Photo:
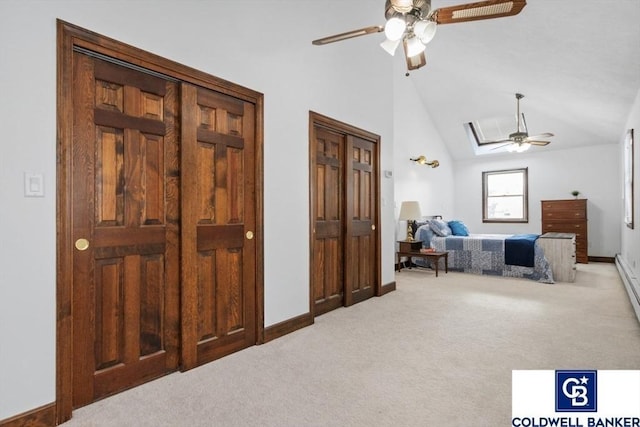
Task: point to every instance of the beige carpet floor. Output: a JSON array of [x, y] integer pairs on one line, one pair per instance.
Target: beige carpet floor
[[436, 352]]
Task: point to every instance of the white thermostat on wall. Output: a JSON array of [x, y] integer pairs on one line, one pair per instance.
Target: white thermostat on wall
[[388, 174]]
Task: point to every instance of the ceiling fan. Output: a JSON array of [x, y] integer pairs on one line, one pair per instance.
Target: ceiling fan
[[414, 23], [519, 140]]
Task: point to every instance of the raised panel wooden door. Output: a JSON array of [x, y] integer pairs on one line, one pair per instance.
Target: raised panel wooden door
[[218, 225], [327, 261], [124, 204], [361, 234]]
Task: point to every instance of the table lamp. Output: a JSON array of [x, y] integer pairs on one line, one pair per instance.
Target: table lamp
[[410, 211]]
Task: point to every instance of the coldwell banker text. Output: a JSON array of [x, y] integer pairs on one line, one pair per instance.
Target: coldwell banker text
[[575, 422]]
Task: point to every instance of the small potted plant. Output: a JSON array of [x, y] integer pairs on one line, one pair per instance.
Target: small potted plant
[[575, 193]]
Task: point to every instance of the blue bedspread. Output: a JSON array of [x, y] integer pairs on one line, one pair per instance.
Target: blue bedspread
[[483, 254], [519, 249]]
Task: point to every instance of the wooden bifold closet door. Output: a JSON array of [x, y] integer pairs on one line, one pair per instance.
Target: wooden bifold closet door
[[345, 257]]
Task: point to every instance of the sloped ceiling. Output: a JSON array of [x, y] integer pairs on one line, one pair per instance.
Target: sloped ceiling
[[576, 61]]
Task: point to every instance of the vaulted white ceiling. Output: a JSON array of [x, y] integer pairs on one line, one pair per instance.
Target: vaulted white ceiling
[[576, 61]]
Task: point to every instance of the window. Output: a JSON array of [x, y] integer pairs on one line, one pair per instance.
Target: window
[[504, 196]]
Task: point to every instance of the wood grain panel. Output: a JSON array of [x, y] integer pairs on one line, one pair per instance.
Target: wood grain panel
[[152, 179], [151, 106], [109, 176], [207, 322], [231, 298], [235, 186], [124, 121], [320, 207], [220, 101], [220, 236], [333, 282], [109, 96], [152, 302], [131, 302], [318, 269], [357, 194], [205, 183], [126, 76], [109, 313]]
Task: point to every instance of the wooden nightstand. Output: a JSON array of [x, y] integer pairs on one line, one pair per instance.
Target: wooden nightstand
[[409, 245], [411, 249]]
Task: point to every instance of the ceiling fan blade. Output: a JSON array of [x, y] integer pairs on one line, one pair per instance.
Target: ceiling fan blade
[[539, 143], [542, 135], [348, 35], [476, 11]]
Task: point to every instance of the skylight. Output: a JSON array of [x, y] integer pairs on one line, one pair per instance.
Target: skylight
[[482, 133]]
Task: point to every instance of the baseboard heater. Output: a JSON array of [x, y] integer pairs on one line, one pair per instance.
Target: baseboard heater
[[630, 282]]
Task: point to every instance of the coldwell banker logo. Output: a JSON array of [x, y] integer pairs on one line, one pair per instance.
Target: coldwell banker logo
[[576, 391], [575, 398]]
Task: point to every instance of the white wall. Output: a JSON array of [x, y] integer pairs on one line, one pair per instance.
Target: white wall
[[594, 171], [262, 44], [631, 238], [414, 134]]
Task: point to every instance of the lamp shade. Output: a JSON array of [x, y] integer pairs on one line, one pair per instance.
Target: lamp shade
[[414, 47], [394, 28], [425, 30], [410, 211], [390, 46]]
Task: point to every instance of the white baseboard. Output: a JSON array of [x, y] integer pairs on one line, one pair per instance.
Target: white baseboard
[[631, 282]]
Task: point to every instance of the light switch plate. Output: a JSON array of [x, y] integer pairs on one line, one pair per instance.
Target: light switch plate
[[33, 184]]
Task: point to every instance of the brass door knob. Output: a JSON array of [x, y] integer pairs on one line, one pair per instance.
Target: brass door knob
[[249, 235], [373, 226], [82, 244]]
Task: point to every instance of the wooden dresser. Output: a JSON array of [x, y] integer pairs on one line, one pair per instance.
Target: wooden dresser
[[568, 216]]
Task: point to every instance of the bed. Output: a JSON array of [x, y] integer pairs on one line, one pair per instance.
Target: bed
[[487, 254]]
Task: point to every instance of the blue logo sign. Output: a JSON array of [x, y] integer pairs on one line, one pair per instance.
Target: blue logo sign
[[576, 391]]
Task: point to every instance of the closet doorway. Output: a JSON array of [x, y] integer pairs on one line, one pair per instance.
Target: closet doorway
[[159, 210], [344, 206]]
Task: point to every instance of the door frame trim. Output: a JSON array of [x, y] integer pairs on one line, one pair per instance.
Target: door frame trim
[[69, 37], [317, 119]]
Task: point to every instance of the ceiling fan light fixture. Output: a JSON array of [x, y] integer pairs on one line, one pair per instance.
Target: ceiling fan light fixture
[[394, 28], [523, 147], [414, 47], [518, 148], [390, 46], [425, 30]]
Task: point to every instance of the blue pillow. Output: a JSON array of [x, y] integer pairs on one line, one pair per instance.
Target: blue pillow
[[458, 228], [440, 227]]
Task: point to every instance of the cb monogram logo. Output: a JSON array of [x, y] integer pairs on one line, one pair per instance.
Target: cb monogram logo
[[576, 391]]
